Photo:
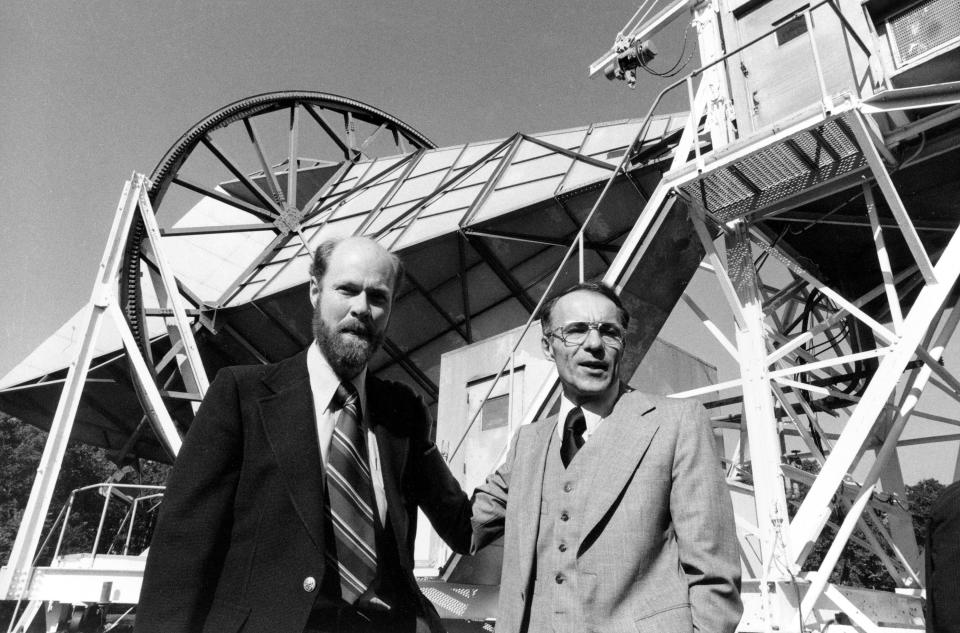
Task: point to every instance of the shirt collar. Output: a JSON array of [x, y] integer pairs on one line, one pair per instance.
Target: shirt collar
[[324, 381], [593, 420]]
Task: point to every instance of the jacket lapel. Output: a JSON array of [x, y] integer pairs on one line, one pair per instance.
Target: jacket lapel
[[531, 462], [290, 426], [393, 452], [623, 439]]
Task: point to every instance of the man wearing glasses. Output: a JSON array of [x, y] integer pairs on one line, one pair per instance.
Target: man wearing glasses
[[618, 516]]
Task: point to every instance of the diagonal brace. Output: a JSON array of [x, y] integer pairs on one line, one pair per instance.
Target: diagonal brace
[[859, 128]]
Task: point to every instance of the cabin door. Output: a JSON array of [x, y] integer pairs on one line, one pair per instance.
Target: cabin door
[[487, 439], [776, 76]]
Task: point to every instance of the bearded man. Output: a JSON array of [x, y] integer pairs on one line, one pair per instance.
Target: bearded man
[[292, 505]]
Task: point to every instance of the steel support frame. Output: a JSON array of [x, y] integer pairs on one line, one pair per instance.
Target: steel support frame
[[104, 305], [915, 326], [909, 341], [768, 481], [894, 357], [901, 345], [880, 351], [898, 345], [165, 285], [914, 388]]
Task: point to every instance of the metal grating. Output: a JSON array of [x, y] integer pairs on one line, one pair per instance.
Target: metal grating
[[808, 146], [777, 172], [445, 601], [924, 27]]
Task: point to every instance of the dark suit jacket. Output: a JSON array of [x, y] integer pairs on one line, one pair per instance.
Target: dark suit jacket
[[657, 548], [241, 530]]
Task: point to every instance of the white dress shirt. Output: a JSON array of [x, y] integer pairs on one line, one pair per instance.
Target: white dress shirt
[[593, 420], [323, 385]]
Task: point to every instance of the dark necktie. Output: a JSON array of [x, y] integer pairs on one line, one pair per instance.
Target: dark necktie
[[573, 429], [352, 505]]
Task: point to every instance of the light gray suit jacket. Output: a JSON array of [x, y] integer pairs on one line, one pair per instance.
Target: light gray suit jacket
[[658, 550]]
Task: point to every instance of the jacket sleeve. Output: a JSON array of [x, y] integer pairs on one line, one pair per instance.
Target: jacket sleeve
[[192, 532], [438, 493], [702, 515], [490, 502]]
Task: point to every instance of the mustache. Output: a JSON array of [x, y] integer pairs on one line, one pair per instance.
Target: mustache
[[359, 328]]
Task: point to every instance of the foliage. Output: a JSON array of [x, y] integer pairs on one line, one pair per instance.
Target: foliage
[[858, 566], [21, 447], [921, 496]]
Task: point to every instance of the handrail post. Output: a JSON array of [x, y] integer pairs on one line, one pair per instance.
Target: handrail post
[[580, 255], [103, 518], [63, 528], [694, 122], [825, 103], [133, 517]]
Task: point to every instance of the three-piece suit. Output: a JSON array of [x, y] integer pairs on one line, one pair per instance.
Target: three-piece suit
[[637, 534]]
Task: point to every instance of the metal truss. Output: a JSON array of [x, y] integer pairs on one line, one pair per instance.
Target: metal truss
[[786, 370], [791, 368], [791, 371], [823, 376], [18, 576], [788, 381]]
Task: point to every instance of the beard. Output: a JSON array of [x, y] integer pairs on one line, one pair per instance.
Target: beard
[[347, 348]]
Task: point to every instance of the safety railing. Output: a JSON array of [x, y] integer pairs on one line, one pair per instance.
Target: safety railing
[[857, 84], [125, 521]]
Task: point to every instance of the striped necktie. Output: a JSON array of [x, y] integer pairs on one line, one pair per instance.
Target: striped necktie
[[352, 506]]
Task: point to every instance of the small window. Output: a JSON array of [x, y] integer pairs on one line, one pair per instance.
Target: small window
[[791, 30], [495, 413]]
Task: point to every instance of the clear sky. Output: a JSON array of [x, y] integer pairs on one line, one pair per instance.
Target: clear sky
[[94, 90]]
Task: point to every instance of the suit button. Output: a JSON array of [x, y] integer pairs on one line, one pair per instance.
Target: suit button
[[559, 579], [309, 584], [564, 516], [563, 547], [567, 487]]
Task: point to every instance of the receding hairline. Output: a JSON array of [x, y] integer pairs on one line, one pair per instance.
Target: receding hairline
[[324, 251], [593, 287]]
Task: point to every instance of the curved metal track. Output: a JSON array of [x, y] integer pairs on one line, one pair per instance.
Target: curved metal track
[[360, 135]]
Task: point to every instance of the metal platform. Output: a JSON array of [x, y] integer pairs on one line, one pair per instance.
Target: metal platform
[[759, 177]]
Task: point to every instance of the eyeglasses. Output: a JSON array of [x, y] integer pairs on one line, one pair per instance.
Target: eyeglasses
[[574, 334]]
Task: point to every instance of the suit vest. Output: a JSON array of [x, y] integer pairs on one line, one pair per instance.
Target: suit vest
[[555, 604]]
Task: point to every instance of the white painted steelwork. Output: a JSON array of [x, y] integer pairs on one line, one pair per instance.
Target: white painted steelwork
[[823, 333]]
